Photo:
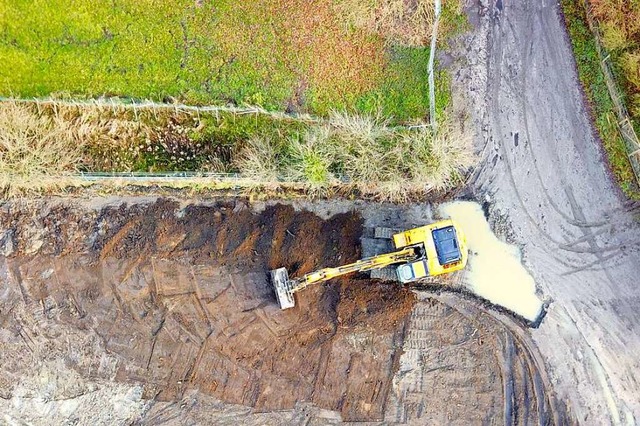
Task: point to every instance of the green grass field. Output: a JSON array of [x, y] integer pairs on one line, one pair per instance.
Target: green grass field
[[361, 64], [291, 55]]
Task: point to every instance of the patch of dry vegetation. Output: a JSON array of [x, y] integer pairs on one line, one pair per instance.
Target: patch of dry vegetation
[[395, 165], [401, 22], [34, 148], [366, 154], [39, 147], [258, 160]]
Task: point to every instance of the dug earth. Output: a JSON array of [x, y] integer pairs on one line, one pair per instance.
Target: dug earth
[[180, 297], [126, 310]]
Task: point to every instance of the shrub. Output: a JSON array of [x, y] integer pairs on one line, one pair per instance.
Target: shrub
[[34, 148], [311, 158], [258, 159], [614, 37], [630, 63]]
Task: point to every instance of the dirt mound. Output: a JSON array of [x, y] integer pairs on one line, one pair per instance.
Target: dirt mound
[[181, 297], [370, 302]]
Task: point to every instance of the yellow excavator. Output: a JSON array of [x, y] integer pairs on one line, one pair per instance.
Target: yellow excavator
[[421, 252]]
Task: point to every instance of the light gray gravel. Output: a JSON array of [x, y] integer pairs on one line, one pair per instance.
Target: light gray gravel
[[543, 170]]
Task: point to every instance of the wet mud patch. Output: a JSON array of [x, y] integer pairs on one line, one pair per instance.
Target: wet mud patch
[[179, 297]]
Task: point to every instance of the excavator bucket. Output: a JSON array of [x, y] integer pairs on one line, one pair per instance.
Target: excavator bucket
[[282, 287]]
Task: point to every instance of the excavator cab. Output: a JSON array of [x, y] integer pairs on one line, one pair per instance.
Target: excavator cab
[[444, 248], [429, 250]]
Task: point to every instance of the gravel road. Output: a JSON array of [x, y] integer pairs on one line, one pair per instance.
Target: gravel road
[[543, 171]]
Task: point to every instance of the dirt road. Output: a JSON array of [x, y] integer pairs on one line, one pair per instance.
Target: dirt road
[[544, 173]]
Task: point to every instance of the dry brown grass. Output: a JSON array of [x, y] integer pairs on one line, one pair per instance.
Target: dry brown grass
[[403, 22], [421, 162], [33, 148], [258, 160], [40, 150], [619, 20], [40, 146], [382, 162]]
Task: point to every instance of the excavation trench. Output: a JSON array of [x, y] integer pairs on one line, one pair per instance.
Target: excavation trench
[[180, 296], [137, 307]]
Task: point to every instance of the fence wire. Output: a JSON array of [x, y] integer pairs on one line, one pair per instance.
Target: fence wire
[[137, 105], [625, 125], [114, 104], [153, 176]]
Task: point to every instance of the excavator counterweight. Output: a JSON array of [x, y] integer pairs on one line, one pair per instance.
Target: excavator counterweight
[[425, 251]]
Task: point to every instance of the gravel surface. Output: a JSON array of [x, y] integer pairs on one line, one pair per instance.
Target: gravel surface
[[544, 173]]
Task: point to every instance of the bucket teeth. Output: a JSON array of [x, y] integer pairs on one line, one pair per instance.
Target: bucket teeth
[[283, 288]]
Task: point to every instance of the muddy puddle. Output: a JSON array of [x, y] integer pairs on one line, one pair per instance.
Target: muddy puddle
[[495, 271]]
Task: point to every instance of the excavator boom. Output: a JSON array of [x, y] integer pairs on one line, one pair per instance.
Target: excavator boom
[[285, 287], [375, 262]]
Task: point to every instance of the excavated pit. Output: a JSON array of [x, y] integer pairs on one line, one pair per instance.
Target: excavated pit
[[144, 310], [180, 299]]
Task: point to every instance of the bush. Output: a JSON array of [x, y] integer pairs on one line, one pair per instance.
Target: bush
[[258, 159], [630, 63], [34, 148], [310, 158]]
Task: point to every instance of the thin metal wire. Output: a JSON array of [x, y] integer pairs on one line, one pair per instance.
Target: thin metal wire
[[625, 126], [178, 175], [131, 104]]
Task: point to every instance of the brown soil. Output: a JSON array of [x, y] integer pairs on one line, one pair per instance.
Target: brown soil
[[180, 297]]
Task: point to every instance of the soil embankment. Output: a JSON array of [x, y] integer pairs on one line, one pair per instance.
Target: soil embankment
[[138, 310]]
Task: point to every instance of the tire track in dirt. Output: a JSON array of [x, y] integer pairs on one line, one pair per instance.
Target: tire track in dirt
[[579, 240], [197, 318], [181, 297], [516, 337], [497, 81], [496, 39]]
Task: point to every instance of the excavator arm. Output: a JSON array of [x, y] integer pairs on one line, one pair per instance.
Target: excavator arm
[[285, 287]]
